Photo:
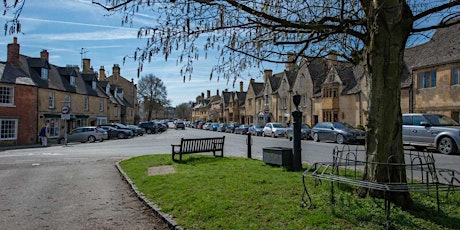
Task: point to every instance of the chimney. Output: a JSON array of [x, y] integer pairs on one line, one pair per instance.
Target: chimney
[[86, 65], [291, 64], [45, 55], [226, 90], [217, 92], [267, 74], [331, 60], [251, 81], [208, 94], [13, 52], [241, 86], [101, 73], [116, 71], [202, 95]]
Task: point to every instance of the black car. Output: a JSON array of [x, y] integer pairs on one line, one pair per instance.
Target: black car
[[180, 124], [162, 127], [149, 127], [242, 129], [116, 133], [122, 126], [337, 131], [139, 131], [305, 131]]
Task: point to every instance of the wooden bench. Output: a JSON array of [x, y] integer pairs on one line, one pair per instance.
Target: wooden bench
[[197, 145], [423, 176]]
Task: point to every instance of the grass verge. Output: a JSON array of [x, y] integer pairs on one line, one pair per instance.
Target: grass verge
[[236, 193]]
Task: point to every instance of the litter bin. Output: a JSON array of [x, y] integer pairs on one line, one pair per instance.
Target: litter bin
[[278, 156]]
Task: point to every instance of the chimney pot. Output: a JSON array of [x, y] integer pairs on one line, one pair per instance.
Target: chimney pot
[[241, 86]]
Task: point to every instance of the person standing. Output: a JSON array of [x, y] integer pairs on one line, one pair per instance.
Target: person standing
[[44, 135]]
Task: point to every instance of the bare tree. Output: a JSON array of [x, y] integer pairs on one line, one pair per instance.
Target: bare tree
[[184, 110], [152, 94]]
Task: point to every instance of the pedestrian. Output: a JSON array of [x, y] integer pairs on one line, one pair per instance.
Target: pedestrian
[[44, 135]]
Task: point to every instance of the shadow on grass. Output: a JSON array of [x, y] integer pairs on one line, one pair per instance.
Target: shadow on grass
[[354, 209], [198, 159]]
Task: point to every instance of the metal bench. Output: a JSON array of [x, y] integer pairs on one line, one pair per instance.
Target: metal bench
[[197, 145], [345, 166]]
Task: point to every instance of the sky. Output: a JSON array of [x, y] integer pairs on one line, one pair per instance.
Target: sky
[[74, 29]]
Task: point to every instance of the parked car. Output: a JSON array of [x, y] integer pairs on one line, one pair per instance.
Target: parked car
[[274, 130], [122, 126], [431, 130], [162, 127], [116, 133], [214, 126], [222, 127], [149, 127], [242, 129], [256, 130], [179, 124], [337, 131], [85, 134], [305, 131], [139, 131], [231, 127]]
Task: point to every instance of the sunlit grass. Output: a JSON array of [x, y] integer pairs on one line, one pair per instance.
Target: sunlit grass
[[236, 193]]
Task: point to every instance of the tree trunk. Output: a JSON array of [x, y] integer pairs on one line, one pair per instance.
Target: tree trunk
[[390, 23]]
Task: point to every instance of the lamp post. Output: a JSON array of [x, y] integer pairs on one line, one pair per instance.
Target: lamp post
[[297, 115]]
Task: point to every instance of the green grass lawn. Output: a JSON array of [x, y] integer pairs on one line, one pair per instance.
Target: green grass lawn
[[236, 193]]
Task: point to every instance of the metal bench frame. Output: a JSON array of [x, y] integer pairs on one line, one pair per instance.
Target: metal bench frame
[[422, 176], [197, 145]]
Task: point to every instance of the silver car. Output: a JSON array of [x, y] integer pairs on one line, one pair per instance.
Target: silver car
[[274, 130], [86, 134], [431, 130]]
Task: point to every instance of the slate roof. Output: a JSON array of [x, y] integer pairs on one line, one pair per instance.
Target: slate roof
[[257, 87], [442, 48], [317, 68]]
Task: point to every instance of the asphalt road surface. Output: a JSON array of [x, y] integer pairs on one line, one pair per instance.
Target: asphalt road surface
[[78, 186]]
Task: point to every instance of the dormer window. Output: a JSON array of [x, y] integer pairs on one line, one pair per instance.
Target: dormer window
[[94, 85], [44, 73], [72, 80]]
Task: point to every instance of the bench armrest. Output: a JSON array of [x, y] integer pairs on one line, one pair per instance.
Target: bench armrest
[[174, 147]]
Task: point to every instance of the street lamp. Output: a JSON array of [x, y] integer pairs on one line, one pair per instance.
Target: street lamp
[[297, 115]]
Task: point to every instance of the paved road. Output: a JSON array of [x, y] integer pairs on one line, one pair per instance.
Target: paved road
[[79, 187]]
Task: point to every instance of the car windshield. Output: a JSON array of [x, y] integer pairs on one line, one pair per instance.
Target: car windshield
[[440, 120], [277, 125], [339, 125], [305, 126]]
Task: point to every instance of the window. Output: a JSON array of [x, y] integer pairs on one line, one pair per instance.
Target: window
[[6, 96], [115, 111], [94, 85], [44, 73], [427, 79], [455, 76], [67, 100], [51, 100], [72, 80], [8, 129], [86, 103], [53, 128], [101, 105], [304, 100]]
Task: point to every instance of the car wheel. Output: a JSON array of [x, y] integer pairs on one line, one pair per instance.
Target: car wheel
[[447, 146], [148, 131], [290, 138], [273, 134], [121, 136], [339, 138], [315, 137], [91, 139]]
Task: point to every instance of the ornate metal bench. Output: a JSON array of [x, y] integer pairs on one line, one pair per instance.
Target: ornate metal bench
[[197, 145], [345, 166]]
